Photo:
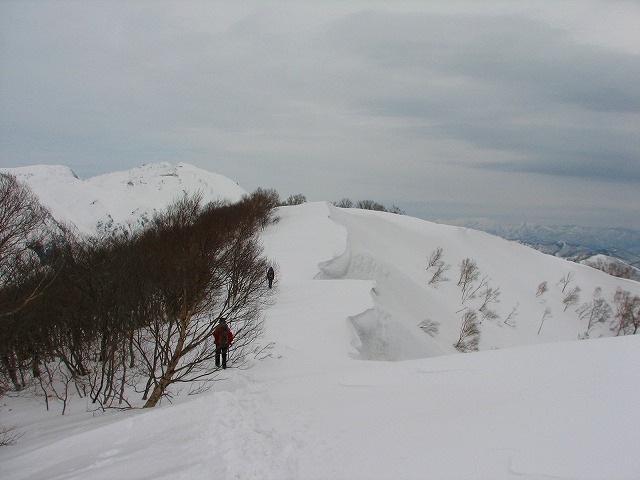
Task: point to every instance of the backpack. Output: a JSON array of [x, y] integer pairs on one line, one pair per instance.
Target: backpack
[[223, 335]]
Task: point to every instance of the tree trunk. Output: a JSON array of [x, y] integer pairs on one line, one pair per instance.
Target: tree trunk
[[10, 366], [165, 380]]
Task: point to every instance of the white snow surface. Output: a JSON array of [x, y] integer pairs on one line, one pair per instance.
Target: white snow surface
[[354, 389]]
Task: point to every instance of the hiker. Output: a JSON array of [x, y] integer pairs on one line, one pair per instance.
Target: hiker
[[222, 336], [270, 275]]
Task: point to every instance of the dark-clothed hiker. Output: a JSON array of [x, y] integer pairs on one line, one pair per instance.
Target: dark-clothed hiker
[[270, 275], [222, 336]]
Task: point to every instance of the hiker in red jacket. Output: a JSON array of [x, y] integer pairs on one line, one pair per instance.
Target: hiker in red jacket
[[222, 336]]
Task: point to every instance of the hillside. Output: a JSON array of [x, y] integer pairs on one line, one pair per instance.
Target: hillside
[[351, 388]]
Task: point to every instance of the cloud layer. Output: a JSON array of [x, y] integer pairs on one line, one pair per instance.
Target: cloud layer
[[444, 108]]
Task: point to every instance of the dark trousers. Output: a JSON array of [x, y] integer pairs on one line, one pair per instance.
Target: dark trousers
[[270, 282], [221, 350]]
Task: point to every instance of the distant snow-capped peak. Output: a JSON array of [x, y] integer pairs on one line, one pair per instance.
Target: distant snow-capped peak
[[129, 197]]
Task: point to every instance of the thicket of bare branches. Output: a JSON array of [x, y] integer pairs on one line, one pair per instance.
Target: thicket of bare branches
[[626, 320], [139, 305], [614, 268], [369, 205], [297, 199], [23, 222]]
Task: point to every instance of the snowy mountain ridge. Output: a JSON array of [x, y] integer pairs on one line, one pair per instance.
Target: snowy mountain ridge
[[121, 198], [354, 388]]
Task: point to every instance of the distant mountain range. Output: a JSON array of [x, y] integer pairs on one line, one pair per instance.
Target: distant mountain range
[[581, 244]]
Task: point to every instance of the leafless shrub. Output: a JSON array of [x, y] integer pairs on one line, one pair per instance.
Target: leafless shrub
[[435, 258], [545, 316], [572, 297], [615, 268], [469, 332], [439, 267], [510, 320], [23, 222], [297, 199], [344, 203], [596, 311], [488, 296], [9, 436], [397, 210], [471, 291], [627, 316], [430, 327], [469, 273], [542, 289], [370, 205]]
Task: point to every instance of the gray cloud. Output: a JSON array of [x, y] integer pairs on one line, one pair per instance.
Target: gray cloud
[[405, 103], [507, 84]]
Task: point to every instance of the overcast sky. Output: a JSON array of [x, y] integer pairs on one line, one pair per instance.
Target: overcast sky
[[510, 110]]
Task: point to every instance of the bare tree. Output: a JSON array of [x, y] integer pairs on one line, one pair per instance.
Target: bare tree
[[22, 276], [435, 257], [596, 311], [488, 296], [627, 316], [572, 297], [22, 223], [615, 268], [469, 332], [469, 273], [370, 205], [472, 290], [344, 203], [510, 320], [542, 289], [566, 280], [297, 199], [262, 204], [397, 210], [545, 316], [438, 274], [439, 267]]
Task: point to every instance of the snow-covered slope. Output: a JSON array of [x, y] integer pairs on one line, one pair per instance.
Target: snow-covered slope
[[328, 402], [128, 197]]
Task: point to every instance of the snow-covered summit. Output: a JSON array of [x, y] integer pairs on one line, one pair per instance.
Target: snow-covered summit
[[120, 198]]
